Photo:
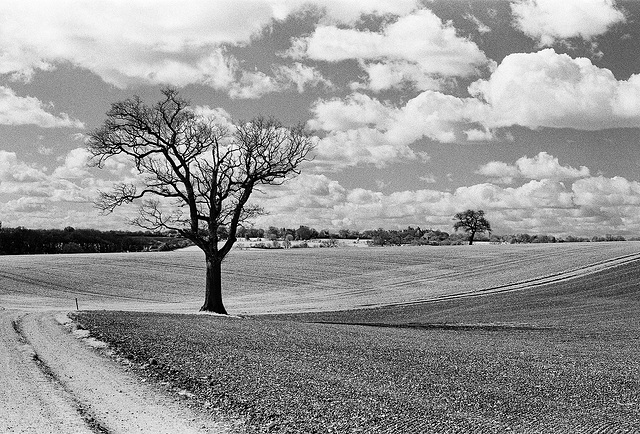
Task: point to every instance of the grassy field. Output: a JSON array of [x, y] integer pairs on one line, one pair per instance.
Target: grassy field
[[287, 280], [557, 358]]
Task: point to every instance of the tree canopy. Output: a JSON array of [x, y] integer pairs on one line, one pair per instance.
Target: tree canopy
[[471, 222], [195, 174]]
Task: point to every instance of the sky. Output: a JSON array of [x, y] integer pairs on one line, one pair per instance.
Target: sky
[[527, 109]]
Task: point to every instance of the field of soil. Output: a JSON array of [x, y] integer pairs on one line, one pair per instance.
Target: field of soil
[[539, 338], [294, 280]]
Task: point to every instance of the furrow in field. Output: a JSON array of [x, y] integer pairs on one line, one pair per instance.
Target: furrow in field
[[436, 277], [537, 282], [316, 279], [46, 287]]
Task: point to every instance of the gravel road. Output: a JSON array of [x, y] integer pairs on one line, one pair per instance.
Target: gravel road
[[54, 383]]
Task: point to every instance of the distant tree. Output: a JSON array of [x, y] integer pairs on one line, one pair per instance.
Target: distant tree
[[472, 222], [379, 237], [306, 233], [72, 248], [272, 233], [223, 233], [254, 233], [287, 241], [324, 233], [241, 232], [435, 237], [344, 233], [195, 175]]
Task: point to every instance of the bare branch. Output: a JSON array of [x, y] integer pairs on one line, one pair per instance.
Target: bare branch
[[207, 172]]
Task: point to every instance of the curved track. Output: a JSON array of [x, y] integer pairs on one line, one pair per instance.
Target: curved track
[[53, 383]]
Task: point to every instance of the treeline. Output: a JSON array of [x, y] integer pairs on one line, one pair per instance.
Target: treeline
[[533, 239], [410, 236], [23, 241], [375, 237]]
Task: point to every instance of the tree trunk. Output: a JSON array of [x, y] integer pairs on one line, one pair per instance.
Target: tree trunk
[[213, 291], [473, 234]]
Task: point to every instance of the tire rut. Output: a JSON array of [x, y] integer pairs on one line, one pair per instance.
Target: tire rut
[[104, 397], [531, 283], [31, 402], [91, 423]]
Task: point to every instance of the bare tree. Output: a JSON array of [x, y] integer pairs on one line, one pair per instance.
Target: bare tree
[[471, 222], [195, 175]]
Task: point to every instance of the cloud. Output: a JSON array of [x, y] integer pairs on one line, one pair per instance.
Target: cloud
[[592, 205], [156, 42], [357, 110], [429, 178], [532, 195], [542, 166], [482, 27], [606, 192], [359, 146], [542, 89], [533, 90], [75, 165], [367, 209], [301, 76], [499, 172], [414, 46], [13, 170], [390, 74], [123, 44], [476, 135], [349, 11], [218, 115], [253, 85], [26, 205], [17, 110], [364, 130], [546, 89], [69, 182], [554, 199], [550, 20]]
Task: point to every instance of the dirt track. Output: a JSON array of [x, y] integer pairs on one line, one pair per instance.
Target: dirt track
[[54, 383]]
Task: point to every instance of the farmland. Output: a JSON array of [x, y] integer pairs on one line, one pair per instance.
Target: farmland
[[288, 280], [350, 340]]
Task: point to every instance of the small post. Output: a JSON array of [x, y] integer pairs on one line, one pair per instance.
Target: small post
[[77, 304]]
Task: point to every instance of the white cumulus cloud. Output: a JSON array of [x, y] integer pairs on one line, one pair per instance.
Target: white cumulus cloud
[[606, 192], [348, 11], [18, 110], [302, 76], [141, 42], [592, 205], [550, 20], [542, 166], [547, 89], [414, 46], [362, 129]]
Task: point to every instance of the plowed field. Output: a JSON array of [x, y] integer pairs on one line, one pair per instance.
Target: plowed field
[[297, 279], [465, 339]]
